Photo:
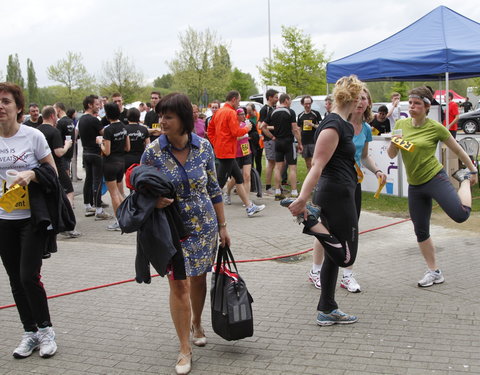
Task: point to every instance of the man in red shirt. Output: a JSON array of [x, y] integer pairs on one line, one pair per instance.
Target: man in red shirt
[[452, 116], [222, 132]]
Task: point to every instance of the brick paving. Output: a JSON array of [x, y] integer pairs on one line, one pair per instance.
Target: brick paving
[[127, 329]]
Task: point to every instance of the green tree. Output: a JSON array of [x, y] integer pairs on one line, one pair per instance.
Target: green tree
[[243, 83], [73, 75], [201, 66], [32, 82], [165, 81], [121, 75], [297, 65], [14, 72], [400, 87]]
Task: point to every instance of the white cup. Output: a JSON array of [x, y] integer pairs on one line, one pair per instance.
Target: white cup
[[99, 139], [68, 138], [11, 176]]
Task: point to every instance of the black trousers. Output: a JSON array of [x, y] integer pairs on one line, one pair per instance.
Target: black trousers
[[92, 188], [21, 251]]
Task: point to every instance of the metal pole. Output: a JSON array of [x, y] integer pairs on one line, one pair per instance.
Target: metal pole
[[269, 45], [447, 100]]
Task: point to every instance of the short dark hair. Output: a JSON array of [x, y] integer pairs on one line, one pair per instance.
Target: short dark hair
[[116, 94], [60, 105], [383, 109], [149, 105], [48, 112], [71, 112], [157, 93], [450, 95], [180, 105], [305, 97], [232, 95], [271, 93], [133, 115], [32, 105], [89, 100], [17, 94], [112, 112], [283, 97]]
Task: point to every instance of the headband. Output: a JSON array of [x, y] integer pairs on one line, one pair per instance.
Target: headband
[[426, 100]]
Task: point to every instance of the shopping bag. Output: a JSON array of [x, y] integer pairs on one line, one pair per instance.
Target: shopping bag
[[231, 303]]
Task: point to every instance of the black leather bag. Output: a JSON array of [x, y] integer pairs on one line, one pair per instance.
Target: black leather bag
[[232, 316]]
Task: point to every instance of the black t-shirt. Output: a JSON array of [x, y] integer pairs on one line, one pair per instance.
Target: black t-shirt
[[116, 134], [281, 119], [34, 124], [264, 111], [308, 131], [340, 168], [122, 118], [66, 127], [89, 128], [381, 126], [137, 134], [152, 122], [54, 140]]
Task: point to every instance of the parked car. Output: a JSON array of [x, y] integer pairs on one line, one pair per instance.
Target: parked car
[[318, 104], [470, 121]]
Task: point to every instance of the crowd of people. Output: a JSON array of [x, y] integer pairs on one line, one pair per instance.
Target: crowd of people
[[193, 163]]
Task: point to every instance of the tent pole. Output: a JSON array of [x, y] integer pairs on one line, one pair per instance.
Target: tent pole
[[447, 100]]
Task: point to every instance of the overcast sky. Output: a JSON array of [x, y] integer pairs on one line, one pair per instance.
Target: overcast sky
[[147, 31]]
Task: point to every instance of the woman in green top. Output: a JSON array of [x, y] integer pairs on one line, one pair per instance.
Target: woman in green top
[[428, 180]]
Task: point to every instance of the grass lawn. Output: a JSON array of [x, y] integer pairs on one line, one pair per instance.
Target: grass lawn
[[386, 204]]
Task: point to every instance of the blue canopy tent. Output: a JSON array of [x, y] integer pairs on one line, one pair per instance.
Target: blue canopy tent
[[441, 43]]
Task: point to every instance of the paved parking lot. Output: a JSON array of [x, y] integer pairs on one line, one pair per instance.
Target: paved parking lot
[[127, 329]]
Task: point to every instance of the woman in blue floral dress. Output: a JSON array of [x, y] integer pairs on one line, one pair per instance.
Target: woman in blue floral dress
[[188, 162]]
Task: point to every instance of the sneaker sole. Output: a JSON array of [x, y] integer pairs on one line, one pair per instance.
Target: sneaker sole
[[19, 356], [428, 285], [103, 218], [90, 214], [314, 283], [351, 291], [324, 323]]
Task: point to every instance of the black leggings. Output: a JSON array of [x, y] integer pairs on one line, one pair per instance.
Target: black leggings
[[92, 188], [227, 168], [257, 160], [339, 215], [21, 252], [420, 203]]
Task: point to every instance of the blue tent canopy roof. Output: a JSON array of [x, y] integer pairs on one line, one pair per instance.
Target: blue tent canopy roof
[[441, 41]]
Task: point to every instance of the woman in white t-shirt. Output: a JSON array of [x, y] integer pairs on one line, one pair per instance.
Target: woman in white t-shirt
[[23, 148]]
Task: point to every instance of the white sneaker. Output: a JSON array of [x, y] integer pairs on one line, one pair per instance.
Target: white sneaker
[[254, 209], [48, 346], [114, 226], [227, 199], [314, 278], [28, 344], [430, 278], [349, 283]]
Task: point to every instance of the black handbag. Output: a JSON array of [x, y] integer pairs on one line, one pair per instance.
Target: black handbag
[[232, 316]]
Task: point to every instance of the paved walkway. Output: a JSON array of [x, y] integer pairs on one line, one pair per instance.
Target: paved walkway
[[127, 329]]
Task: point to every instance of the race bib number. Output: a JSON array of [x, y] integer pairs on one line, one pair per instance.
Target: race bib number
[[307, 125], [156, 125], [15, 198], [245, 149]]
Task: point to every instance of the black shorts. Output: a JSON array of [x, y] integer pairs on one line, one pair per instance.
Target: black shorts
[[113, 170], [64, 179], [285, 150], [244, 160]]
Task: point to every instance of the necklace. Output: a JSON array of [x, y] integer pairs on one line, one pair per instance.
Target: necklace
[[180, 148]]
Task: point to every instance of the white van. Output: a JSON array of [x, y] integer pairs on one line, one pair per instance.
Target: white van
[[318, 104]]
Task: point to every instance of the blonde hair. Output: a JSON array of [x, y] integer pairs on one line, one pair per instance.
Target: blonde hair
[[347, 90], [368, 115]]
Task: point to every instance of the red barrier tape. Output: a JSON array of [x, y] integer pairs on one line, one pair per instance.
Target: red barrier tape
[[238, 261]]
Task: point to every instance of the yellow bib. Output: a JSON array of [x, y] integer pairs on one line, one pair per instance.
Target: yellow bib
[[15, 198]]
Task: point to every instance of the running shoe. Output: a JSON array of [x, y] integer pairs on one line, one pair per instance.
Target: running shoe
[[462, 175], [430, 278], [313, 210], [71, 234], [349, 283], [279, 197], [103, 216], [28, 344], [114, 226], [227, 199], [253, 209], [314, 278], [90, 211], [335, 317], [270, 191], [48, 346]]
